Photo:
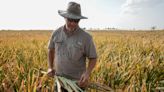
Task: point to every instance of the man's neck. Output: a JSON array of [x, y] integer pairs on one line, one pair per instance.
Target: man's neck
[[70, 30]]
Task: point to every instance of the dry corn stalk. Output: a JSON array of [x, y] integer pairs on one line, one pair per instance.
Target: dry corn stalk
[[72, 86]]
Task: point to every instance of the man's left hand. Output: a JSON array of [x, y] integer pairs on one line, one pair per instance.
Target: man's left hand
[[83, 82]]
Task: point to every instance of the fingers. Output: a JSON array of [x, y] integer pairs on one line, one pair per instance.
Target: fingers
[[83, 81], [82, 78], [80, 82], [83, 84], [51, 73]]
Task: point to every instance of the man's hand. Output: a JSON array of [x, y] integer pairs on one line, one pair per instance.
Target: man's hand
[[51, 72], [83, 82]]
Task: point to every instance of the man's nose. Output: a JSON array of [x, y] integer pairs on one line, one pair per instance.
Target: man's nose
[[72, 23]]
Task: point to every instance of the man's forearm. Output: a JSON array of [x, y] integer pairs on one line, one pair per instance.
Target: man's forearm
[[51, 58], [91, 65]]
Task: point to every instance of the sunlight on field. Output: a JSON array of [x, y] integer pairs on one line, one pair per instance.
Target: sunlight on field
[[127, 61]]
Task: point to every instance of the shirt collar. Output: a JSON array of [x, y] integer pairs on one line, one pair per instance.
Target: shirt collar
[[70, 33]]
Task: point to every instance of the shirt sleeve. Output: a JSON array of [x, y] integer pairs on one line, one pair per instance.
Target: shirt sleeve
[[90, 48], [51, 42]]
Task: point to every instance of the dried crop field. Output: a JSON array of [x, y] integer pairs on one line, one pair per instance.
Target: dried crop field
[[129, 61]]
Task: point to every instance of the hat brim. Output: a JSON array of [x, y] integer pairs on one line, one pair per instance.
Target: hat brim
[[65, 14]]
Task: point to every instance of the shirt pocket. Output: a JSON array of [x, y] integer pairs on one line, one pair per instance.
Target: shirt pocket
[[76, 52], [58, 46]]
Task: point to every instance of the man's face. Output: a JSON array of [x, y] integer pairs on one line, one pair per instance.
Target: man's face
[[72, 24]]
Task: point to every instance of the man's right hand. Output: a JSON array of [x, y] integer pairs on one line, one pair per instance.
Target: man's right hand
[[51, 72]]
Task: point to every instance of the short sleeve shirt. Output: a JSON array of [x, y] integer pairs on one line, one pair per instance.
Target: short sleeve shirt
[[71, 51]]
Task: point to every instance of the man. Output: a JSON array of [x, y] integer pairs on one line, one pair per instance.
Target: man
[[69, 46]]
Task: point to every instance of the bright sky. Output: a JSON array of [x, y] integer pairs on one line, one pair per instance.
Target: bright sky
[[42, 14]]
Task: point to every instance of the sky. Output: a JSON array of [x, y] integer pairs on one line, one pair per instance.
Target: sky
[[43, 14]]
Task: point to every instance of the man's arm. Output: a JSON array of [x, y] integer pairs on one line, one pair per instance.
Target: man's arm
[[85, 76], [91, 65], [51, 57]]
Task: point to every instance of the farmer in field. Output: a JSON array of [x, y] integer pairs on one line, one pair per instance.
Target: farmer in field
[[69, 46]]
